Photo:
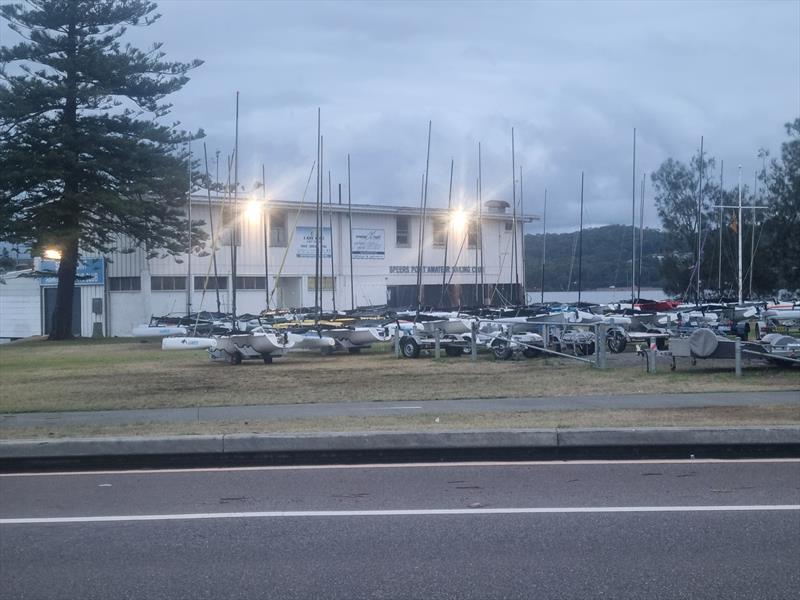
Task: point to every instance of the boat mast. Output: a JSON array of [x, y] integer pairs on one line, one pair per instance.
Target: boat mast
[[236, 216], [265, 221], [447, 232], [480, 225], [189, 249], [317, 252], [753, 236], [633, 223], [580, 247], [739, 231], [330, 223], [419, 242], [721, 197], [477, 255], [211, 222], [641, 243], [422, 222], [522, 242], [350, 227], [699, 222], [514, 223], [544, 241]]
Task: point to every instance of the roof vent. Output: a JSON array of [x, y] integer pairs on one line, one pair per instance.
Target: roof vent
[[498, 207]]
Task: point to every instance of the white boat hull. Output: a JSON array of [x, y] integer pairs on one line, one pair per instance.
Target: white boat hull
[[148, 331], [188, 343]]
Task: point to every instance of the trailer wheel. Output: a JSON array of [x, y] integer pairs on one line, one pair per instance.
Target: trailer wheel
[[410, 348], [502, 351], [586, 349], [267, 358], [354, 350], [616, 342], [235, 358], [453, 350], [467, 349]]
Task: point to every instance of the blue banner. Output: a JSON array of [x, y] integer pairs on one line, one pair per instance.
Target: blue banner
[[90, 271]]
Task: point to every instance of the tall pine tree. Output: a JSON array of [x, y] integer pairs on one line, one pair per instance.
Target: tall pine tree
[[85, 157]]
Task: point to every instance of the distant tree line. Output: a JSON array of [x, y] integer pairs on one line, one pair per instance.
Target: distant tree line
[[606, 259], [770, 234]]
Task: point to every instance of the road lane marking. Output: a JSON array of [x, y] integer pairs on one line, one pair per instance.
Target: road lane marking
[[396, 408], [401, 513], [415, 465]]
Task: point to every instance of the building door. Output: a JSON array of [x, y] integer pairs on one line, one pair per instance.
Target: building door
[[289, 292], [50, 308]]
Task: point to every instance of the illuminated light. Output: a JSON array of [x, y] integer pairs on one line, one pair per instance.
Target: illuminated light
[[459, 219], [253, 210], [52, 254]]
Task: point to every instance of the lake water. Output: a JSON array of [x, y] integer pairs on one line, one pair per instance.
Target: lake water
[[596, 296]]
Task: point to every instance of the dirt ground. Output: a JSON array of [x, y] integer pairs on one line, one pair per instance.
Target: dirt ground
[[124, 373]]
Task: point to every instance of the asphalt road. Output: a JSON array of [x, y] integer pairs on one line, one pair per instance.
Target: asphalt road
[[364, 409], [656, 529]]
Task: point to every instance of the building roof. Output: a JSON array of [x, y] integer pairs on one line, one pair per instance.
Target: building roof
[[490, 211]]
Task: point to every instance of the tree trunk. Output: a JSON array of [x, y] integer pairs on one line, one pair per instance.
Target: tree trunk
[[62, 315]]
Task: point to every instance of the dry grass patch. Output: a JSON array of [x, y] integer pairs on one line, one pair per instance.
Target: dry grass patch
[[117, 374], [661, 417]]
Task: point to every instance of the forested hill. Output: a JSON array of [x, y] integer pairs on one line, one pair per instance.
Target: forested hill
[[606, 258]]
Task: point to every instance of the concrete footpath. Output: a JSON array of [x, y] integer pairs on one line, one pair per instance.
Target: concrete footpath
[[364, 446]]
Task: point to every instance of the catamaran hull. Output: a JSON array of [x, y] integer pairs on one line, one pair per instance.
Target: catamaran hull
[[188, 343], [360, 336], [148, 331]]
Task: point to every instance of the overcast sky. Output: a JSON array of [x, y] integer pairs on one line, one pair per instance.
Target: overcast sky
[[573, 79]]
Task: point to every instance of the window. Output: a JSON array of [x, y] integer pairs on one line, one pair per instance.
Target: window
[[125, 284], [327, 284], [439, 232], [249, 282], [168, 283], [219, 283], [509, 226], [402, 237], [277, 229], [473, 234], [226, 235]]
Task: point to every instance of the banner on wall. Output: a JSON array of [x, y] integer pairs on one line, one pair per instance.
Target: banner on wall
[[307, 242], [369, 244], [90, 271]]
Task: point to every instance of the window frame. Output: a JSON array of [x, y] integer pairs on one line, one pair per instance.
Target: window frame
[[278, 234], [258, 280], [439, 230], [120, 280], [199, 282], [326, 279], [397, 230], [162, 278]]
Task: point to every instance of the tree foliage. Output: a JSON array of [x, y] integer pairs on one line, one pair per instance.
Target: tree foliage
[[782, 225], [85, 156], [771, 237]]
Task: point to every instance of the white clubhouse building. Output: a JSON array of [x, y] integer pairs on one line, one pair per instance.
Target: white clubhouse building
[[370, 256]]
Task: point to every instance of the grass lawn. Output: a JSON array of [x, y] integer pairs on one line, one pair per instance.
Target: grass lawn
[[125, 373], [658, 417]]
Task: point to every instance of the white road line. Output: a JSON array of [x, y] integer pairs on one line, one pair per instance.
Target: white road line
[[396, 407], [530, 463], [401, 513]]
